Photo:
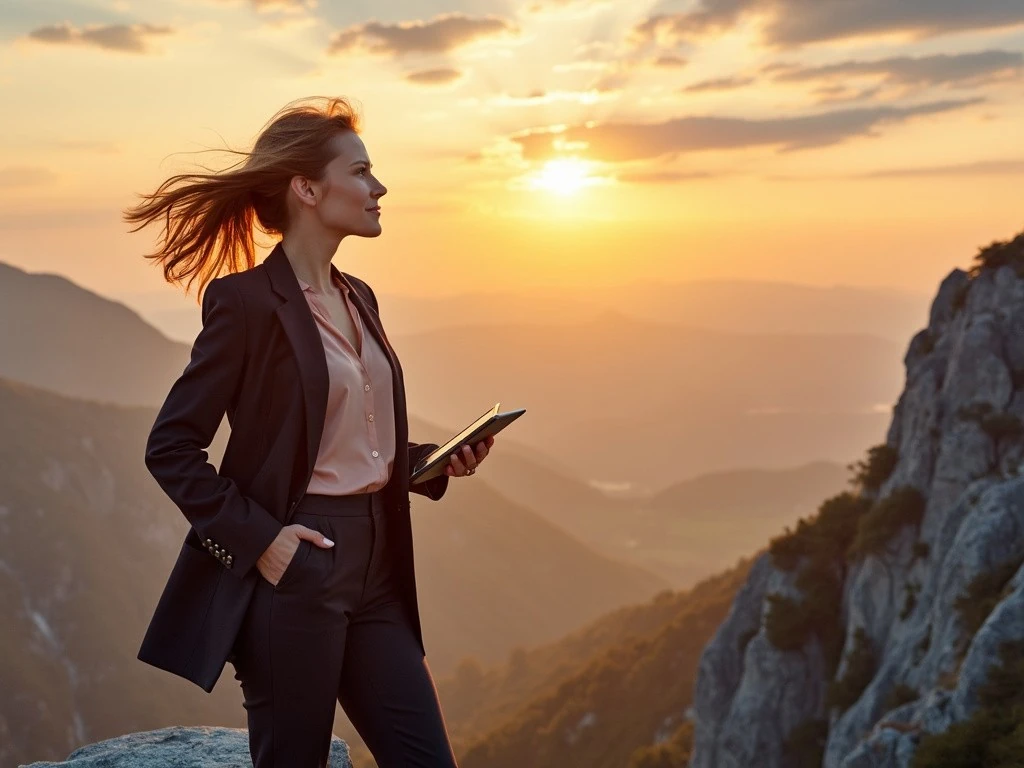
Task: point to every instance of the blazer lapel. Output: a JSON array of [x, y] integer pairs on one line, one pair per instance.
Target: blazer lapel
[[300, 328]]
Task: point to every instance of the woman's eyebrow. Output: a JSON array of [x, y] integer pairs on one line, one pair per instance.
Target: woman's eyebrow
[[365, 162]]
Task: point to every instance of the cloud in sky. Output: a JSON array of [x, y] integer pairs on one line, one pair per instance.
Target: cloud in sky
[[125, 38], [718, 84], [972, 68], [266, 4], [537, 7], [539, 97], [1009, 166], [669, 61], [439, 35], [577, 7], [262, 6], [844, 94], [623, 142], [1002, 167], [794, 22], [441, 76], [837, 80]]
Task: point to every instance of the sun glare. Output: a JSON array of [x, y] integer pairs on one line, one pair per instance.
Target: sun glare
[[564, 176]]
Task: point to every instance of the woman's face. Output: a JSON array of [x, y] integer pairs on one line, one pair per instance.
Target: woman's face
[[349, 190]]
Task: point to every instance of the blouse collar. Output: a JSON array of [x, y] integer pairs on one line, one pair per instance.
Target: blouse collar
[[307, 287]]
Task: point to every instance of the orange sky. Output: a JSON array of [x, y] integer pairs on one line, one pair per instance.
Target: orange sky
[[778, 142]]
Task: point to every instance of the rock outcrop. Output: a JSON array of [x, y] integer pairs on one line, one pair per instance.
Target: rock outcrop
[[922, 612], [195, 747]]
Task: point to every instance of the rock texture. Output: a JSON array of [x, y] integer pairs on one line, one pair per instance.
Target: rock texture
[[955, 434], [195, 747]]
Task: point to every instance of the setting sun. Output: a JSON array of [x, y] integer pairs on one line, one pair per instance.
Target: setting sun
[[565, 176]]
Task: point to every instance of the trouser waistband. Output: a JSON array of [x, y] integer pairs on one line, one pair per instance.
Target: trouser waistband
[[348, 505]]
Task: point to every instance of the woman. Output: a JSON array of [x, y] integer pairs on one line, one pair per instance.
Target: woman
[[298, 567]]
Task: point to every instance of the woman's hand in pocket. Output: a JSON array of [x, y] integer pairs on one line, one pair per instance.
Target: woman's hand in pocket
[[279, 554]]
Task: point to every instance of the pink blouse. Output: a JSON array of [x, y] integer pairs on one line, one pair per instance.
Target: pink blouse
[[357, 450]]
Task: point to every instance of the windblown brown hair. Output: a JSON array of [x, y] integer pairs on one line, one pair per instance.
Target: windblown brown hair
[[210, 217]]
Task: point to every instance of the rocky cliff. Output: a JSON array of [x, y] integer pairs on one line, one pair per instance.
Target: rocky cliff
[[898, 609]]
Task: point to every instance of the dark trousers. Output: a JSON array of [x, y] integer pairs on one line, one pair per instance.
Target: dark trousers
[[332, 629]]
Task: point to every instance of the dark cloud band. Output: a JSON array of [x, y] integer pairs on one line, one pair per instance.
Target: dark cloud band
[[794, 22], [129, 38], [622, 142], [439, 35]]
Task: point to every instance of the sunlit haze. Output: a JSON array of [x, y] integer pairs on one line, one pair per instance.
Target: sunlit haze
[[555, 145]]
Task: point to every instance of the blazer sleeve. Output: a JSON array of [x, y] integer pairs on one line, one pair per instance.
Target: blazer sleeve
[[186, 425], [436, 486]]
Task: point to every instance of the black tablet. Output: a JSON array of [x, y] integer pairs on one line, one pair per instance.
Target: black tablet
[[491, 423]]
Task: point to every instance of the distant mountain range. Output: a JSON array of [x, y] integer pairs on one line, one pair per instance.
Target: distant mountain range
[[736, 306], [684, 532], [61, 337], [619, 399], [614, 397]]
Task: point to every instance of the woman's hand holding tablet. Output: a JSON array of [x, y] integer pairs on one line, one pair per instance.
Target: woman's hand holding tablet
[[463, 452]]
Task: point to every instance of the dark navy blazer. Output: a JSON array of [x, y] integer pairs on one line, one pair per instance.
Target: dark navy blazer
[[260, 359]]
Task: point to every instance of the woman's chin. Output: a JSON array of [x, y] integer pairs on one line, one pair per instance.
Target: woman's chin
[[372, 230]]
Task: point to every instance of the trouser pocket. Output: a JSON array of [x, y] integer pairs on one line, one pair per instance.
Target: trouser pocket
[[295, 564]]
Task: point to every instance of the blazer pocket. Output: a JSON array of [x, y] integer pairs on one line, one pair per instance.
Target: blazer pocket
[[194, 577]]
